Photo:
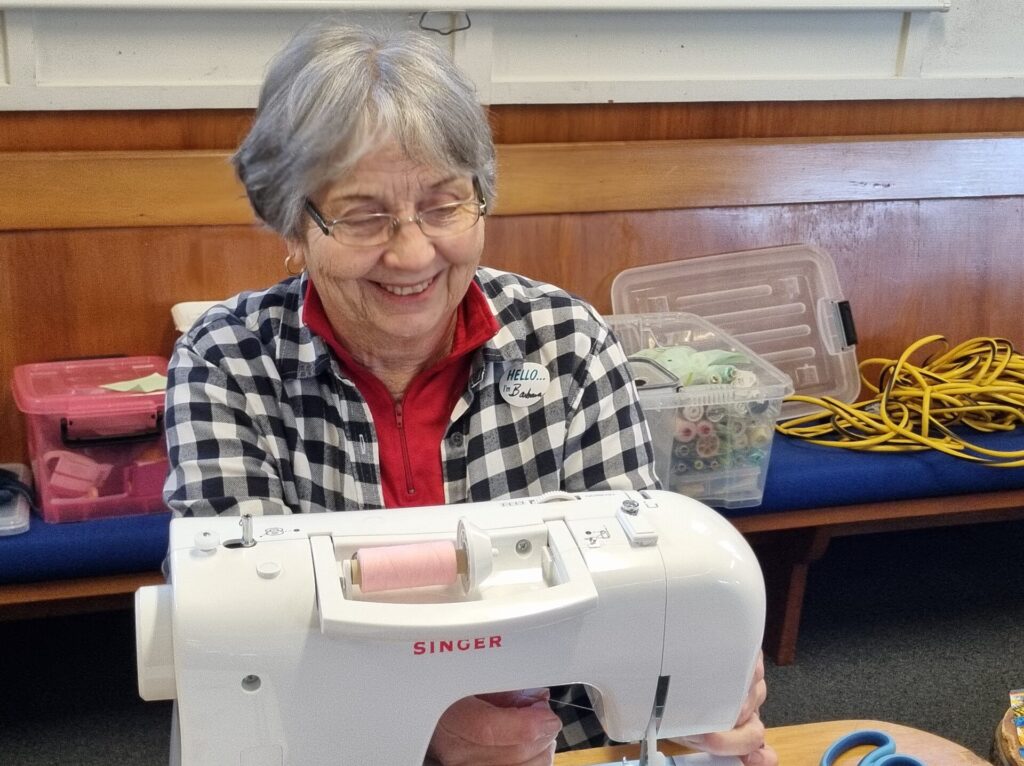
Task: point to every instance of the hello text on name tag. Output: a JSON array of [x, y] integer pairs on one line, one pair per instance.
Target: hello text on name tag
[[522, 386]]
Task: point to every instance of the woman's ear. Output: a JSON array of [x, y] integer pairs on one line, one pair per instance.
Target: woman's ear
[[295, 261]]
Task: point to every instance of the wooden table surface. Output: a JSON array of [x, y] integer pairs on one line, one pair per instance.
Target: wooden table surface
[[1008, 745], [804, 745]]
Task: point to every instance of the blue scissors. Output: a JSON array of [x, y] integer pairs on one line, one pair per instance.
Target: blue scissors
[[884, 753]]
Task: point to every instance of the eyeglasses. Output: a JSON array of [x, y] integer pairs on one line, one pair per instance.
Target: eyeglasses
[[378, 228]]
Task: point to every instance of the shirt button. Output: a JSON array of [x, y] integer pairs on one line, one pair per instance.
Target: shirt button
[[455, 439]]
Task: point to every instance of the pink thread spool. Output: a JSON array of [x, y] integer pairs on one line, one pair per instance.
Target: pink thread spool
[[391, 567]]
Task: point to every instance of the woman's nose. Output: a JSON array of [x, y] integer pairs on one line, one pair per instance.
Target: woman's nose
[[409, 247]]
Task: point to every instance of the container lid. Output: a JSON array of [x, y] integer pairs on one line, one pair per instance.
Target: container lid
[[91, 385], [784, 303], [663, 350]]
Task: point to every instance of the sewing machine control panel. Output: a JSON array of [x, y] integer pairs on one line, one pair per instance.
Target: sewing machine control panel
[[634, 528]]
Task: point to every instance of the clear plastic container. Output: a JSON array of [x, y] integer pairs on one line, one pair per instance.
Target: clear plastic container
[[95, 451], [784, 303], [711, 404], [14, 506]]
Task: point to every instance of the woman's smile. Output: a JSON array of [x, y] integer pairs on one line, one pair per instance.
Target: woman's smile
[[403, 291]]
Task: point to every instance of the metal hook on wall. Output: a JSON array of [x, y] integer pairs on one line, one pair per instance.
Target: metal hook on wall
[[460, 26]]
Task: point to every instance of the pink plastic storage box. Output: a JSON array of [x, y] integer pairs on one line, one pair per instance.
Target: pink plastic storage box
[[95, 451]]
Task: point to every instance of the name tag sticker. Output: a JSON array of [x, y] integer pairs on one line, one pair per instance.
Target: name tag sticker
[[522, 386]]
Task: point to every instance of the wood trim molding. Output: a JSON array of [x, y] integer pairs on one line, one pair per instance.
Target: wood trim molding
[[77, 588], [75, 596], [864, 517], [99, 190], [73, 190], [660, 175]]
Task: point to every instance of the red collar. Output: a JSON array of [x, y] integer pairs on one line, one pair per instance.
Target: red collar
[[410, 431]]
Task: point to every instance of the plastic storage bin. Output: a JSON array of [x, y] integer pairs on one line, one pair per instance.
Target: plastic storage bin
[[14, 505], [785, 303], [711, 404], [95, 451]]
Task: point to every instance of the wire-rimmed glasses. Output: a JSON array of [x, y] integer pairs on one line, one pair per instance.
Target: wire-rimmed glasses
[[367, 230]]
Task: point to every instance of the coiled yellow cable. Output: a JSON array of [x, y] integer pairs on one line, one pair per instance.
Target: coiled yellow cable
[[978, 384]]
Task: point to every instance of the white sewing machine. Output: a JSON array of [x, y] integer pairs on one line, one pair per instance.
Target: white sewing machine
[[276, 657]]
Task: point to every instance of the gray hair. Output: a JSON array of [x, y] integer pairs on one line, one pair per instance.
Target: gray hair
[[334, 93]]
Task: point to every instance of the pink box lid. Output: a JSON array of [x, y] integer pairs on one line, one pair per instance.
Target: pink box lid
[[47, 388]]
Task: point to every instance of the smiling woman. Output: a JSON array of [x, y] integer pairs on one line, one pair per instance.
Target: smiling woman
[[390, 369]]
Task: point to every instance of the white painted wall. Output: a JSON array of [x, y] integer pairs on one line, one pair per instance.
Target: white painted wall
[[154, 54]]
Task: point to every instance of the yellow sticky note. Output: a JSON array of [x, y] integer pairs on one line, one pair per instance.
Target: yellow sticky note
[[147, 385]]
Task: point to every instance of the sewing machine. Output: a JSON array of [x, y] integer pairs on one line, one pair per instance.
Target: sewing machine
[[277, 656]]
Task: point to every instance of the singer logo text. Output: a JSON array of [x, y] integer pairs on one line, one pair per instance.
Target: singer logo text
[[456, 645]]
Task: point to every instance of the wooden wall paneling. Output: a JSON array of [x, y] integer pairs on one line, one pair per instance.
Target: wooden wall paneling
[[78, 293], [540, 123], [652, 175], [973, 251], [109, 291], [106, 189], [909, 269], [551, 123], [910, 266], [123, 130], [73, 190]]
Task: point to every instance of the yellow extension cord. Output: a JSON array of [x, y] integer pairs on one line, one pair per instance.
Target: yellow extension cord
[[979, 384]]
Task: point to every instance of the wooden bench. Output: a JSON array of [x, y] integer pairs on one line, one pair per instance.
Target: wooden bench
[[788, 542], [933, 222], [75, 596]]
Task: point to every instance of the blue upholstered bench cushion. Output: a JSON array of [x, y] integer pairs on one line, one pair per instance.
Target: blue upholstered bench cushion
[[800, 475], [84, 548]]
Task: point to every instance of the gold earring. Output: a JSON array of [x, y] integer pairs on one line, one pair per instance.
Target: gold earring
[[289, 267]]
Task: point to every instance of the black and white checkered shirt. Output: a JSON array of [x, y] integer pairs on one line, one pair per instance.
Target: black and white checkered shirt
[[261, 419]]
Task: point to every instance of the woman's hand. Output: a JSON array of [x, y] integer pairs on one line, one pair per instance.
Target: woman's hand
[[746, 739], [505, 729]]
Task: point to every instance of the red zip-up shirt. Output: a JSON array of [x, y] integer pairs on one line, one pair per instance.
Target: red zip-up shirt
[[410, 431]]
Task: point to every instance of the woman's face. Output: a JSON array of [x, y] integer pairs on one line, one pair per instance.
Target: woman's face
[[405, 292]]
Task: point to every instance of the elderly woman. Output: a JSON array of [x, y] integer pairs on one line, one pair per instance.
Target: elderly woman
[[383, 373]]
